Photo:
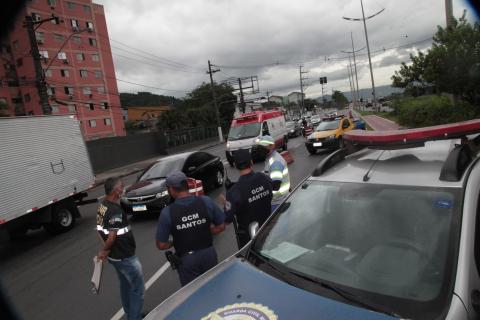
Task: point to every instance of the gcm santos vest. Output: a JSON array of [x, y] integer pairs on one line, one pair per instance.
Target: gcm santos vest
[[190, 227]]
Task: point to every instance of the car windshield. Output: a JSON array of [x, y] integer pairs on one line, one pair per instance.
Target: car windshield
[[392, 244], [244, 131], [328, 125], [290, 125], [316, 119], [161, 169]]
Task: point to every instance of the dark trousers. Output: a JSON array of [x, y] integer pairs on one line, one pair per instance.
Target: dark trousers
[[196, 263]]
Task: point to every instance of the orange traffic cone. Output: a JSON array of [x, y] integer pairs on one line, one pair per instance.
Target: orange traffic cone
[[287, 156]]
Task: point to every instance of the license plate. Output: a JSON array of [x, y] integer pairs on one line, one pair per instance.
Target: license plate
[[141, 207], [317, 144]]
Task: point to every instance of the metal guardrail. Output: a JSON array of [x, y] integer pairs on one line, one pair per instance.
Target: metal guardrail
[[184, 136]]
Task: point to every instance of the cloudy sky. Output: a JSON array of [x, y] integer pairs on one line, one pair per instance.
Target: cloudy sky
[[166, 44]]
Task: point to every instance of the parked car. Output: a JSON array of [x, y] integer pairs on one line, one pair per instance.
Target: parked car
[[149, 193], [315, 120], [294, 130], [388, 232]]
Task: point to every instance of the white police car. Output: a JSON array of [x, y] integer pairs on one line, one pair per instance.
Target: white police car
[[391, 231]]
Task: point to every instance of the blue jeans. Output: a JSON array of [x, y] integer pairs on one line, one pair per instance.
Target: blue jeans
[[132, 286]]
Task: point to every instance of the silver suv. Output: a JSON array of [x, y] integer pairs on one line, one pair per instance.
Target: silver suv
[[393, 229]]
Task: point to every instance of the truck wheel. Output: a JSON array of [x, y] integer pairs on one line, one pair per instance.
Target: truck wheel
[[63, 219]]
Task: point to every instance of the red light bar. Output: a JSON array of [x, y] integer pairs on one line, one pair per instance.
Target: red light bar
[[410, 136]]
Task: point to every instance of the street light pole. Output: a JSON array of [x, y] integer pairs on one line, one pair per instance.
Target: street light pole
[[355, 65], [368, 45]]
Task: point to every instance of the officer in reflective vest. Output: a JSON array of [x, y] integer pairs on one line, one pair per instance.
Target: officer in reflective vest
[[188, 219], [276, 168], [250, 198]]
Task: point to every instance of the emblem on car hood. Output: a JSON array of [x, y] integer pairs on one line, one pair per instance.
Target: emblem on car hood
[[246, 311]]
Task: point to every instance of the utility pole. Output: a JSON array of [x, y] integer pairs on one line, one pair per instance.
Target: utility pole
[[354, 92], [449, 12], [242, 99], [368, 46], [350, 82], [301, 88], [355, 65], [217, 114], [323, 80], [39, 75]]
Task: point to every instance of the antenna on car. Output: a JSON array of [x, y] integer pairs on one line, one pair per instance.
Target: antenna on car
[[366, 177]]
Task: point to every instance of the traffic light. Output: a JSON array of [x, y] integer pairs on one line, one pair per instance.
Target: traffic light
[[323, 80]]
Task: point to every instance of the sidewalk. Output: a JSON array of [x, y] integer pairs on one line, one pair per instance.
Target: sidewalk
[[380, 124], [142, 165]]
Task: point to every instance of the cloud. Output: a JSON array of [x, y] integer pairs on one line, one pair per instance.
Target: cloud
[[269, 39]]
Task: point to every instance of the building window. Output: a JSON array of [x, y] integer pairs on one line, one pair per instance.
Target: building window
[[92, 41], [80, 56], [72, 108], [43, 54], [101, 90], [15, 44], [107, 121], [36, 17], [71, 5], [64, 73], [19, 62], [62, 55], [98, 73], [104, 105], [40, 36], [48, 73], [51, 91], [68, 90], [58, 37], [95, 57], [55, 108], [87, 91], [27, 97], [83, 73], [86, 9], [77, 40], [52, 3], [89, 25], [74, 23], [92, 123], [91, 106]]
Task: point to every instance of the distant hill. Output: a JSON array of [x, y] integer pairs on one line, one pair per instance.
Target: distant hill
[[381, 91], [145, 99]]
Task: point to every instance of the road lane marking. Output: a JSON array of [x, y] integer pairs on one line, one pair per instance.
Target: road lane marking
[[120, 313]]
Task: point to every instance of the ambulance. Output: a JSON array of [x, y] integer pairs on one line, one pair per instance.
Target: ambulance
[[246, 130]]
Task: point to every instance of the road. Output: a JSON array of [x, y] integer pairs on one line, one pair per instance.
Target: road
[[48, 277], [380, 124]]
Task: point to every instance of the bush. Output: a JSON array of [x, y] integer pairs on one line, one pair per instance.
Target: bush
[[433, 110]]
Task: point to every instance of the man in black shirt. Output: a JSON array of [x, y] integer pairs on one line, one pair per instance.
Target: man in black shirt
[[250, 199], [119, 248]]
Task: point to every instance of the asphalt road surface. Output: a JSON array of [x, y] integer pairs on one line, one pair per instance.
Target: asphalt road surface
[[48, 277]]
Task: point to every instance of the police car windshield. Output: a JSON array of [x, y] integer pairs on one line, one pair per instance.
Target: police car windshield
[[388, 242], [161, 169], [244, 131], [328, 125]]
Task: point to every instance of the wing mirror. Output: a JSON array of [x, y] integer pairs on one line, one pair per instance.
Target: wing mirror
[[253, 229]]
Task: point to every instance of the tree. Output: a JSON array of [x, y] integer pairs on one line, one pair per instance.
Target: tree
[[144, 99], [339, 98], [309, 104], [451, 65], [197, 108]]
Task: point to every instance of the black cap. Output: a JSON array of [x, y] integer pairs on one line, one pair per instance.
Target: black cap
[[242, 158]]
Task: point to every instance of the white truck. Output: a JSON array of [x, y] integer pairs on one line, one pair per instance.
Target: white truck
[[45, 170]]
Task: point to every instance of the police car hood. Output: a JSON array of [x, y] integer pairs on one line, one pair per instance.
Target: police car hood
[[237, 290]]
